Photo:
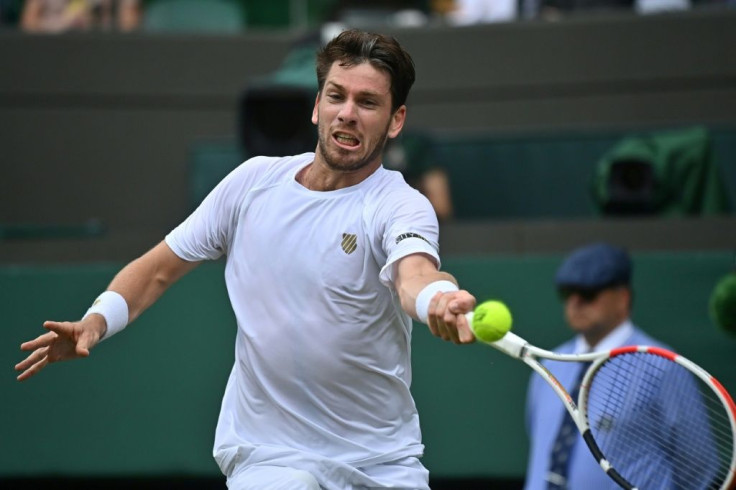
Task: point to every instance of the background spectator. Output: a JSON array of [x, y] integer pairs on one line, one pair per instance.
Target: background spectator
[[80, 15]]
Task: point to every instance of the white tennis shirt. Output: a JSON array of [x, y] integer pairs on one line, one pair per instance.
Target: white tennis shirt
[[322, 359]]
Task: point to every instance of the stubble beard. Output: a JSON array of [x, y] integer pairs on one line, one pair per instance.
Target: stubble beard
[[335, 162]]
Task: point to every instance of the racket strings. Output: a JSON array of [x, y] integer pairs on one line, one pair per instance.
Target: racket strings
[[649, 439], [686, 473], [659, 425], [646, 444]]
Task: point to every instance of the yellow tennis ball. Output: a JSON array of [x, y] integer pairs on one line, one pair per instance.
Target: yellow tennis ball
[[491, 321]]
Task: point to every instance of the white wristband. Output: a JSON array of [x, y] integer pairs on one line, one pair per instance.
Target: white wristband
[[425, 297], [114, 308]]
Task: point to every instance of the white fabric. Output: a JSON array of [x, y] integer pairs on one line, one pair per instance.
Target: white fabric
[[273, 478], [468, 12], [322, 360], [659, 6], [425, 297], [113, 307]]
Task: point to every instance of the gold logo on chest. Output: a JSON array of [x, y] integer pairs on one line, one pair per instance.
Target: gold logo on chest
[[349, 243]]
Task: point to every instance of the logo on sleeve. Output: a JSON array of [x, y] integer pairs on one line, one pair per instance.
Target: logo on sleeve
[[404, 236], [349, 243]]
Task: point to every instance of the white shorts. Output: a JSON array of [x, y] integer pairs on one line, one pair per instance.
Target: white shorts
[[259, 477]]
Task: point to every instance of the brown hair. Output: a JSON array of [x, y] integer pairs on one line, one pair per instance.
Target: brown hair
[[354, 47]]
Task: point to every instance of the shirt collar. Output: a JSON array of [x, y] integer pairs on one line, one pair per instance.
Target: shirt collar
[[614, 339]]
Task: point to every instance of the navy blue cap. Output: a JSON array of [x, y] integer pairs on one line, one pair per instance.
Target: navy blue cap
[[595, 266]]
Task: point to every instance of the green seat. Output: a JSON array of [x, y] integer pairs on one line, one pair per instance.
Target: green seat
[[212, 16]]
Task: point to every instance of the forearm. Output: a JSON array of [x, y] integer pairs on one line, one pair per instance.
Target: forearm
[[410, 288], [139, 284], [145, 279], [433, 297]]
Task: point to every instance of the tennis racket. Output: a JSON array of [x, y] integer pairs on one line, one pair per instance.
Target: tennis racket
[[638, 405]]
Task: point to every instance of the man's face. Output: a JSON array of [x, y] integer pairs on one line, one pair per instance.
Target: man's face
[[596, 313], [354, 118]]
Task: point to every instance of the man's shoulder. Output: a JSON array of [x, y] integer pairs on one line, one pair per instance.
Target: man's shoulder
[[391, 183], [273, 168], [281, 163], [389, 193], [640, 337]]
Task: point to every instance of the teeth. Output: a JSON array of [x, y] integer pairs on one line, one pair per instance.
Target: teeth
[[346, 139]]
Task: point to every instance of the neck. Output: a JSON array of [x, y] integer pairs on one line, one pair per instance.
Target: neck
[[317, 176], [595, 336]]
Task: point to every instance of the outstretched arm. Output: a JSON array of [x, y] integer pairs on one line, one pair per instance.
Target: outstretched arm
[[140, 283], [446, 311]]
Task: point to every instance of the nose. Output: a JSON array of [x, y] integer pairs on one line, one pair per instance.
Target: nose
[[348, 113], [574, 302]]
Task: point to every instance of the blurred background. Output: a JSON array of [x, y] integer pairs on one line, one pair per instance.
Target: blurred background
[[550, 123]]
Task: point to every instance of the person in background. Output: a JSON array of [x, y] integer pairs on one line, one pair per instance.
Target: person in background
[[468, 12], [552, 10], [413, 154], [329, 256], [595, 285], [55, 16]]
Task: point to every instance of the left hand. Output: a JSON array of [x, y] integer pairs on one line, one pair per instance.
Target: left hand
[[63, 341]]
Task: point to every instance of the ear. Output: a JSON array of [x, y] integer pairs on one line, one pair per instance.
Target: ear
[[397, 122], [629, 300], [315, 111]]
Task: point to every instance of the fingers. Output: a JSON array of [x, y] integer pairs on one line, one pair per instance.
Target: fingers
[[82, 347], [32, 364], [83, 340], [63, 341], [40, 341], [464, 331], [446, 319], [31, 359], [447, 316], [459, 307], [65, 329], [33, 370]]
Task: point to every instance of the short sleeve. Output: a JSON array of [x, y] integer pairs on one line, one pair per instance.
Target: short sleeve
[[411, 227], [207, 233]]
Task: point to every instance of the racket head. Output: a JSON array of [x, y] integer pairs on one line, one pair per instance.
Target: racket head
[[660, 420]]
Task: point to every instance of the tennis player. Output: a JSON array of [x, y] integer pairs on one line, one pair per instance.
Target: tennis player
[[329, 256]]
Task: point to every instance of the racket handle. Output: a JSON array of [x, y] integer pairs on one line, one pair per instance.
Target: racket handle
[[510, 344]]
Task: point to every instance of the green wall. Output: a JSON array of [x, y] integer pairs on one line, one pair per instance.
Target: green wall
[[551, 174], [146, 402]]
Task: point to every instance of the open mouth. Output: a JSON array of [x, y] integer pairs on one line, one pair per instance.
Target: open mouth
[[346, 140]]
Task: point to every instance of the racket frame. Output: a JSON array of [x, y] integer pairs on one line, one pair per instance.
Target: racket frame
[[690, 366], [518, 348]]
